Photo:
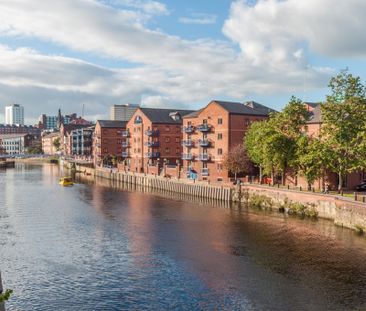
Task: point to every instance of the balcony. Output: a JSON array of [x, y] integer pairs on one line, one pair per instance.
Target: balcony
[[204, 128], [125, 154], [152, 133], [188, 129], [125, 133], [205, 172], [152, 144], [204, 143], [153, 155], [187, 143], [204, 157], [125, 144], [187, 156]]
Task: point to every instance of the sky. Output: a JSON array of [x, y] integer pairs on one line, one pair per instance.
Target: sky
[[181, 54]]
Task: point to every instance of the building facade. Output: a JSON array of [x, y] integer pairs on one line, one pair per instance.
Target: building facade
[[107, 142], [46, 122], [123, 112], [153, 138], [211, 132], [14, 144], [19, 129], [14, 114], [48, 143], [81, 141]]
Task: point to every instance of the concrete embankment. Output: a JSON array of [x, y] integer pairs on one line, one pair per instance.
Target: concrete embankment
[[343, 211], [170, 185]]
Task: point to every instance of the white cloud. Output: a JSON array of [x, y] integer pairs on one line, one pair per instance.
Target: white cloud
[[170, 70], [277, 28], [199, 18]]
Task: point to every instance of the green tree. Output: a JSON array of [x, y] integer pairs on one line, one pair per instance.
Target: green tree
[[236, 161], [6, 295], [310, 158], [343, 130], [57, 144]]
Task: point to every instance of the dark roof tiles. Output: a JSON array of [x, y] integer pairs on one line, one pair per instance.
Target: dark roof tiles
[[160, 115], [112, 123]]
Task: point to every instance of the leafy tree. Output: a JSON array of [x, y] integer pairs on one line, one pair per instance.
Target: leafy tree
[[57, 144], [236, 161], [310, 158], [343, 129]]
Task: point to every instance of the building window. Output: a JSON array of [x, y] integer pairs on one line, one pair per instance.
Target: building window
[[219, 151], [167, 139], [219, 178], [219, 136], [247, 122], [205, 121], [177, 139], [219, 121], [167, 150], [219, 167], [177, 151], [167, 128], [189, 123]]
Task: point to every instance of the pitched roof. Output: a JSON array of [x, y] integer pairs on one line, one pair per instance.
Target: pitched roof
[[112, 123], [193, 114], [315, 115], [53, 134], [260, 107], [239, 108], [160, 115], [313, 105]]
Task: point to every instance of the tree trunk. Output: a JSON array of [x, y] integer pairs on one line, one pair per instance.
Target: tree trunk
[[260, 174], [272, 176], [340, 182]]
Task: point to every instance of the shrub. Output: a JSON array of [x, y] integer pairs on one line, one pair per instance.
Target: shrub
[[260, 201]]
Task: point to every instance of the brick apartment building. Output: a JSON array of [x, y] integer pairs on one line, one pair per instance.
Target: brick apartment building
[[211, 132], [48, 141], [154, 138], [65, 138], [108, 140]]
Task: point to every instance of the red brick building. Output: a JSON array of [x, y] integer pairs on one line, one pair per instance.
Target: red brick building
[[210, 133], [108, 140], [313, 128], [154, 138]]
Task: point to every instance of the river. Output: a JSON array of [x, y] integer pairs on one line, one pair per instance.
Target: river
[[92, 247]]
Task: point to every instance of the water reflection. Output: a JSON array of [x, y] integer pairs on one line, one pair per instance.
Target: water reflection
[[104, 246]]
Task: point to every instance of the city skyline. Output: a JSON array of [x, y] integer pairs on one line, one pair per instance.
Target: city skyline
[[184, 55]]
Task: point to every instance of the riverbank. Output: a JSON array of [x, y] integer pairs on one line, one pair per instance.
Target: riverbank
[[343, 211]]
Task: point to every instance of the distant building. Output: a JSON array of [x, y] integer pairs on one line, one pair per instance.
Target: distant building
[[108, 140], [81, 141], [14, 114], [19, 129], [123, 112], [48, 141], [47, 122], [65, 142], [16, 143]]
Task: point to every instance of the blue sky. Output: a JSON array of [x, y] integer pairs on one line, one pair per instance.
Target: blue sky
[[173, 53]]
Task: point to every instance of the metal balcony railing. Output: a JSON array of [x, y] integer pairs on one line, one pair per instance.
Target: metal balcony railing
[[187, 156], [203, 157], [187, 143], [188, 129], [152, 132], [204, 127], [153, 155], [204, 143], [125, 133], [125, 144], [205, 172], [152, 144], [125, 154]]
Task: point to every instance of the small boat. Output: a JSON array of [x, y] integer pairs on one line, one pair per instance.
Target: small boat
[[66, 181]]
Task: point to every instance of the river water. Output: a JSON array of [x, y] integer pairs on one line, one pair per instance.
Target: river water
[[92, 247]]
